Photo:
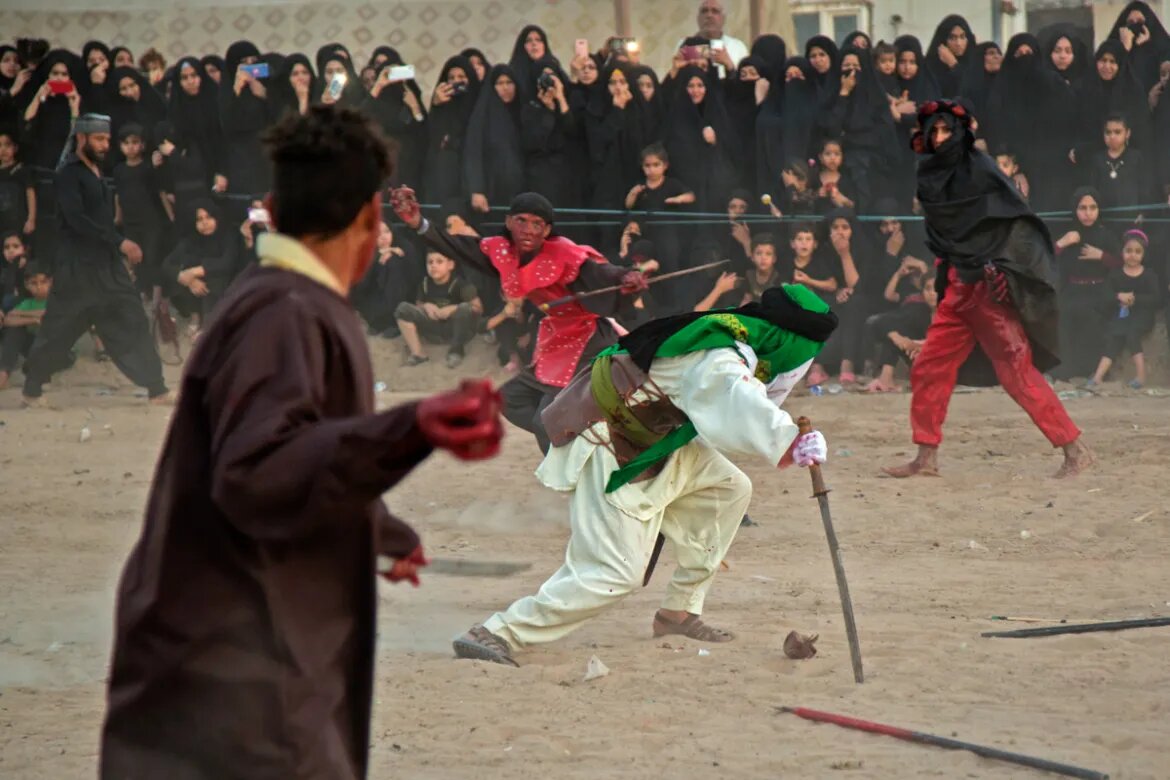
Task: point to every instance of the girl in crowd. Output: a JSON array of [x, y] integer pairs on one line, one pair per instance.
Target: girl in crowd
[[202, 266]]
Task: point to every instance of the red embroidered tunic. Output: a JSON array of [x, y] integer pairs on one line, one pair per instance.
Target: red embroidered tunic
[[567, 328]]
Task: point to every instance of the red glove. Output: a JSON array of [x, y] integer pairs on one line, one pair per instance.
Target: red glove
[[634, 282], [405, 205], [465, 421], [407, 568]]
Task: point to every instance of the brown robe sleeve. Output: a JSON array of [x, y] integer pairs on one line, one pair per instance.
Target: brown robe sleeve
[[283, 465]]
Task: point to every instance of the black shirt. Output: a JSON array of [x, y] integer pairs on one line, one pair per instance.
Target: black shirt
[[15, 181], [455, 291], [138, 188]]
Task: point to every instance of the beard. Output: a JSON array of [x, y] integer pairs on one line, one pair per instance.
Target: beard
[[93, 153]]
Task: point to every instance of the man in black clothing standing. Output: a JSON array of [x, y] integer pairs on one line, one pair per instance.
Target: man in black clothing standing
[[92, 284]]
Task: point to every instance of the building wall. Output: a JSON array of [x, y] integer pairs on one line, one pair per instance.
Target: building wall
[[425, 33]]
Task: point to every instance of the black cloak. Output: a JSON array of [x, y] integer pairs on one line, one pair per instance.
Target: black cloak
[[447, 128], [493, 163], [949, 80]]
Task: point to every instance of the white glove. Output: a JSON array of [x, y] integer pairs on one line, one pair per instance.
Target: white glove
[[809, 449]]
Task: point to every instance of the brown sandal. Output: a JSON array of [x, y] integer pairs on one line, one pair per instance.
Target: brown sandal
[[692, 628]]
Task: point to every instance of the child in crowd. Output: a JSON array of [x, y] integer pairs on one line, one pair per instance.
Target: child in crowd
[[391, 280], [816, 272], [798, 198], [1132, 296], [731, 291], [1009, 166], [661, 193], [138, 208], [901, 331], [21, 323], [446, 309], [12, 287], [18, 196], [1121, 174], [833, 186], [737, 241], [885, 60]]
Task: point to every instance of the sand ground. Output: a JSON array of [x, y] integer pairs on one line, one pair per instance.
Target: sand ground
[[928, 562]]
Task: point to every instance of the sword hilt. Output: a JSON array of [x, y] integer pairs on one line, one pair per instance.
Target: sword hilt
[[818, 480]]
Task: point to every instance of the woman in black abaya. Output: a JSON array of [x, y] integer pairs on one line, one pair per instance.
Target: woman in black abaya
[[201, 268], [914, 83], [950, 54], [785, 125], [1142, 34], [614, 134], [479, 62], [1085, 253], [334, 63], [1112, 88], [549, 140], [48, 122], [292, 88], [398, 108], [979, 80], [243, 112], [1161, 129], [214, 65], [860, 118], [530, 49], [493, 162], [825, 58], [453, 101], [194, 112], [653, 104], [132, 100], [700, 139], [743, 100], [1031, 105]]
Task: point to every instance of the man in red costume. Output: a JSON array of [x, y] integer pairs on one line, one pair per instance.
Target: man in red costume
[[997, 315], [536, 265]]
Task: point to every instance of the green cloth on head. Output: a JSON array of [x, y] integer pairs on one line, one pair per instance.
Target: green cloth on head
[[777, 349]]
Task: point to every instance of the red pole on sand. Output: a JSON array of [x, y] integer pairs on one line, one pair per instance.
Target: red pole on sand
[[848, 722]]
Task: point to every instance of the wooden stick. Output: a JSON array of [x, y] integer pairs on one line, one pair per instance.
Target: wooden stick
[[945, 742], [821, 493], [617, 287], [1079, 628]]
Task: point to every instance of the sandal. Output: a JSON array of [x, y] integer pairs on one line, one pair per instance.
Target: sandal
[[416, 360], [482, 645], [1135, 385], [692, 628]]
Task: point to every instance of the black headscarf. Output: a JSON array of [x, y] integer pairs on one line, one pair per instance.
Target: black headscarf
[[1031, 106], [1146, 57], [784, 126], [473, 52], [493, 162], [353, 94], [216, 62], [653, 111], [390, 54], [867, 121], [5, 81], [977, 84], [950, 79], [774, 52], [775, 306], [710, 172], [99, 46], [446, 131], [526, 68], [282, 98], [922, 87], [114, 52], [196, 117], [1122, 94], [330, 51], [1096, 234], [829, 82], [975, 216], [54, 119], [853, 38], [1081, 66], [147, 111]]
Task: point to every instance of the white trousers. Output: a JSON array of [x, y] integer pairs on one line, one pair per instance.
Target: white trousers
[[697, 502]]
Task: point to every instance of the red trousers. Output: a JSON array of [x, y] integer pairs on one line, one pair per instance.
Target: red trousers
[[968, 315]]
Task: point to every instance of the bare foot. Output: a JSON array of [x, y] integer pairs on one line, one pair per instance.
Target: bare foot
[[925, 464], [3, 380], [1077, 458], [880, 386], [166, 399], [29, 402], [816, 376]]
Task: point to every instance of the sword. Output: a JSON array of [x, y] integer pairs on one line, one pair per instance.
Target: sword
[[822, 495], [615, 288], [464, 567]]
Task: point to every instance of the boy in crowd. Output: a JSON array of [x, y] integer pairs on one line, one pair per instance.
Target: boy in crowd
[[763, 276], [18, 195], [903, 330], [139, 208], [21, 323], [1009, 166], [446, 309], [807, 267]]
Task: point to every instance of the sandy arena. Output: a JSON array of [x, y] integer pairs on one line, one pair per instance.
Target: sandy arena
[[928, 562]]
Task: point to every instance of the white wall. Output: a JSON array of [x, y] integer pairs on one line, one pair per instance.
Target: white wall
[[920, 17]]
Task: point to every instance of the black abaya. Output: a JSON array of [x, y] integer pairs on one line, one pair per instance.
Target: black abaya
[[493, 162], [448, 124]]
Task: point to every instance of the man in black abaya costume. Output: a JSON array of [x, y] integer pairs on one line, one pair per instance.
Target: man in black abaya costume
[[92, 284], [996, 292]]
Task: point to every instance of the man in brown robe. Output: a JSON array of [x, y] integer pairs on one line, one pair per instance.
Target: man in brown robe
[[245, 625]]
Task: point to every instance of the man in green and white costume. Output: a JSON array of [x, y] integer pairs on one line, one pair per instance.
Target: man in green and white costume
[[638, 439]]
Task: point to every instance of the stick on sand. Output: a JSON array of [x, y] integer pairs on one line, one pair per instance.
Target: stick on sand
[[1079, 628], [945, 742]]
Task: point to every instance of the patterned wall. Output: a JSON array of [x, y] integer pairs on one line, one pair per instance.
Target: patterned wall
[[424, 32]]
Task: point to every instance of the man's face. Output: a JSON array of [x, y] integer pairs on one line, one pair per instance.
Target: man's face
[[95, 146], [439, 267], [38, 286], [528, 232], [711, 19]]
